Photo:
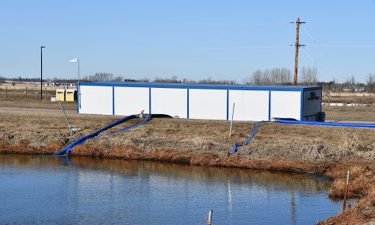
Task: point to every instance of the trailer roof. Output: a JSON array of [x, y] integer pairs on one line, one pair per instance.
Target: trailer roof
[[200, 86]]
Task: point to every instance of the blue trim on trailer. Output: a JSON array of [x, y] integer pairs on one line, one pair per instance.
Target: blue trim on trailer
[[201, 86], [227, 104], [78, 97], [187, 103], [321, 99], [302, 103], [149, 100], [312, 88], [113, 100], [269, 105]]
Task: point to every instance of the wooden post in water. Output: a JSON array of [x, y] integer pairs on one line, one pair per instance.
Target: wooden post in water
[[346, 191], [209, 218], [231, 120]]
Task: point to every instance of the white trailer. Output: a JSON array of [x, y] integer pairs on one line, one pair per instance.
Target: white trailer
[[198, 101]]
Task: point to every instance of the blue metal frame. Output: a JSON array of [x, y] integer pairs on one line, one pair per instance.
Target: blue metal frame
[[202, 86], [78, 97], [321, 99], [227, 104], [269, 105], [113, 100], [149, 100], [302, 104], [187, 102]]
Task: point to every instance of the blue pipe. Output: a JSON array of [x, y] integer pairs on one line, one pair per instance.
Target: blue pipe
[[83, 139], [148, 117], [253, 132], [334, 124]]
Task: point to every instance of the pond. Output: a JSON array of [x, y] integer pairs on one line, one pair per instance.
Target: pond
[[53, 190]]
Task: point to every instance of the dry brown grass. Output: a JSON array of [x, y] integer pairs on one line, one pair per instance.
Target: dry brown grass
[[322, 150], [360, 113], [361, 187]]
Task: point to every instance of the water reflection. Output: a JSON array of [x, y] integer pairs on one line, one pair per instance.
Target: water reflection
[[135, 192], [291, 181]]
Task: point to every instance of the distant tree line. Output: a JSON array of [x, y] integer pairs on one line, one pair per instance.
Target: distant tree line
[[370, 83], [174, 79], [109, 77], [275, 76], [283, 76], [103, 77], [20, 79], [351, 85]]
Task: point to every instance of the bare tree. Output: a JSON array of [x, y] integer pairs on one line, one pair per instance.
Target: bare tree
[[256, 78], [280, 76], [275, 76], [172, 79], [118, 79], [104, 77], [2, 80], [370, 83], [309, 76], [350, 84]]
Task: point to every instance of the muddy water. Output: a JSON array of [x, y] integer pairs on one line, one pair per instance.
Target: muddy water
[[49, 190]]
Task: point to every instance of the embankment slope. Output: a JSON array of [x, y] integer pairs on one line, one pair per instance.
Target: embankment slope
[[329, 151]]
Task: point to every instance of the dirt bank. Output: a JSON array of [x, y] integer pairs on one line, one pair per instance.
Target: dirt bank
[[323, 150]]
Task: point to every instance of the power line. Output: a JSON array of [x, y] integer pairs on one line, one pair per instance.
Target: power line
[[312, 59], [344, 46], [308, 34], [255, 24], [251, 47], [266, 24]]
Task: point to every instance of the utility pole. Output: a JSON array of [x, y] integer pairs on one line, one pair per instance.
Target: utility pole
[[41, 72], [297, 45]]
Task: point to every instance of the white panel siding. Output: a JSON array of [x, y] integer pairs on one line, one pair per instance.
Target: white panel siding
[[208, 104], [312, 104], [169, 101], [250, 105], [211, 104], [131, 100], [95, 100], [286, 104]]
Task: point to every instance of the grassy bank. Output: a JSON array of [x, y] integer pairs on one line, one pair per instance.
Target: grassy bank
[[328, 151]]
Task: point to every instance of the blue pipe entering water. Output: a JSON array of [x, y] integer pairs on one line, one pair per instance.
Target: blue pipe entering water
[[83, 139], [235, 146]]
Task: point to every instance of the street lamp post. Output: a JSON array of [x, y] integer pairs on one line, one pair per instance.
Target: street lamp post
[[41, 72], [76, 61]]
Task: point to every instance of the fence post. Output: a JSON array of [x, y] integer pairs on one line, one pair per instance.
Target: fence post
[[231, 120], [346, 191], [6, 93], [25, 93], [209, 218]]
